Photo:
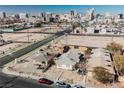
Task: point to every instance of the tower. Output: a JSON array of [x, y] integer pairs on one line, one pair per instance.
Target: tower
[[72, 13], [23, 15], [90, 13], [2, 15], [120, 16]]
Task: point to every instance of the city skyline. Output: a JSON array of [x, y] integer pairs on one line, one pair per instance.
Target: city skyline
[[12, 9]]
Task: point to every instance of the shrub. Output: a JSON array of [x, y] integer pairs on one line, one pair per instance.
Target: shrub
[[69, 80], [115, 48], [66, 48], [119, 64], [101, 74]]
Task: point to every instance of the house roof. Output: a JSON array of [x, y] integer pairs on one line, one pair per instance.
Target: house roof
[[40, 57], [69, 58]]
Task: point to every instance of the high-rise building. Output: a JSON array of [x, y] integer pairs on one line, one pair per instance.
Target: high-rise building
[[90, 13], [23, 15], [72, 13], [120, 16], [47, 16], [42, 14], [15, 16], [2, 15]]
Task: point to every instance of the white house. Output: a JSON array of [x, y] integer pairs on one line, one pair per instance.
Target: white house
[[69, 59]]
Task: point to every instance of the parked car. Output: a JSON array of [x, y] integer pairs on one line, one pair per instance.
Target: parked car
[[61, 84], [77, 86], [45, 81]]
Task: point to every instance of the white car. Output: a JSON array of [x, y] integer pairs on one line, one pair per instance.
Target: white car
[[61, 84]]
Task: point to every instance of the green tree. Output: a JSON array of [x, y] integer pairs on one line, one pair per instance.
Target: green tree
[[88, 52], [37, 25]]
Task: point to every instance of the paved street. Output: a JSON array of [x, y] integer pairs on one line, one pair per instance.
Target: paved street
[[7, 81]]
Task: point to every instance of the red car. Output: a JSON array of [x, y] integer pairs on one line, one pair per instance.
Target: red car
[[45, 81]]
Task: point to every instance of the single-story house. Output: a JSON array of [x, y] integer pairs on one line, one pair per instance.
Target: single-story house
[[69, 59], [42, 58]]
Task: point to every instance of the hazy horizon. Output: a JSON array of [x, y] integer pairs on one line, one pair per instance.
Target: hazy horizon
[[33, 9]]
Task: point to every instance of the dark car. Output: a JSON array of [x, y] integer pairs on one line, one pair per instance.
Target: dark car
[[45, 81], [77, 86], [62, 85]]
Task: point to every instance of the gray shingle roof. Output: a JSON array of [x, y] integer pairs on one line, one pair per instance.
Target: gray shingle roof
[[40, 57], [69, 58]]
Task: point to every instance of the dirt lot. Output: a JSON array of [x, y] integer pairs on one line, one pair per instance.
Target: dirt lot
[[22, 39], [30, 69], [19, 40]]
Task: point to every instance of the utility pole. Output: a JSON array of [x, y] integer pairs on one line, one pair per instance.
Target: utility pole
[[28, 36], [112, 36], [66, 39], [1, 36]]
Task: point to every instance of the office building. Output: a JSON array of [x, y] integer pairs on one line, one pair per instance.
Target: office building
[[2, 15], [90, 13], [23, 15], [120, 16], [72, 13]]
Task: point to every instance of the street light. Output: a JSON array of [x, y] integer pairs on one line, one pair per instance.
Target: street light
[[28, 35], [1, 36], [66, 38]]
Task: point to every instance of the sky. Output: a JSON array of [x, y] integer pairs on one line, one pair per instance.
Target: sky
[[61, 8]]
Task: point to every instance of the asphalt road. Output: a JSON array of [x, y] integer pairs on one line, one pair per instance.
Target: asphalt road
[[10, 81], [100, 35]]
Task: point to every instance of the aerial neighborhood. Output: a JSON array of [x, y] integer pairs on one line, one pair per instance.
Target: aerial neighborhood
[[63, 50]]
